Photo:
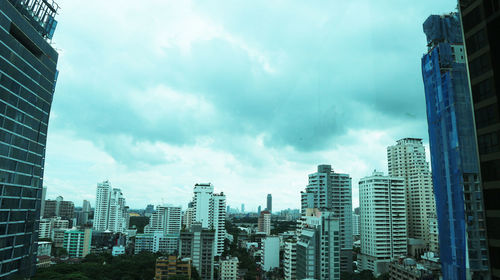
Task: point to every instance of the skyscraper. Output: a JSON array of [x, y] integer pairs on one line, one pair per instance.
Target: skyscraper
[[85, 212], [209, 209], [383, 221], [455, 165], [110, 210], [331, 191], [243, 208], [481, 26], [270, 203], [27, 82], [406, 159]]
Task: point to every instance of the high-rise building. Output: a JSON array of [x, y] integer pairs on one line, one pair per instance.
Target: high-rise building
[[110, 210], [198, 244], [290, 259], [269, 203], [166, 219], [383, 221], [77, 242], [454, 157], [209, 209], [333, 192], [259, 210], [150, 209], [318, 246], [243, 208], [27, 82], [481, 26], [59, 208], [270, 253], [187, 218], [264, 222], [407, 160]]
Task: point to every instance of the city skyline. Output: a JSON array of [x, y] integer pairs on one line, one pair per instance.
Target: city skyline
[[143, 126]]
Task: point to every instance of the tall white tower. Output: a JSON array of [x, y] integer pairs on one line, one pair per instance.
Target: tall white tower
[[110, 210], [406, 159], [101, 212], [209, 209], [383, 221]]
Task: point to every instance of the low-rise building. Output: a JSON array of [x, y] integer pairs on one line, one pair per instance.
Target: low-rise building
[[44, 248], [228, 269], [171, 266], [77, 242], [408, 269], [118, 250]]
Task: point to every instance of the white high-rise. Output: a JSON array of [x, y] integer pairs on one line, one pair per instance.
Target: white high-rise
[[383, 221], [406, 159], [332, 191], [110, 210], [209, 209], [264, 222], [166, 219], [355, 224]]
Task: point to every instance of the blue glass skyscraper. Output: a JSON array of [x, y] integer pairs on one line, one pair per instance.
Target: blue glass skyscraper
[[27, 81], [454, 157]]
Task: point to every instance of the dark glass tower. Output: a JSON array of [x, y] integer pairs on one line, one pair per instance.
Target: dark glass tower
[[455, 168], [481, 26], [27, 80], [270, 203]]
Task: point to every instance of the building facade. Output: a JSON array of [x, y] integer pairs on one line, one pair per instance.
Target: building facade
[[333, 192], [27, 83], [383, 222], [406, 159], [59, 208], [264, 222], [156, 242], [198, 244], [110, 211], [270, 253], [228, 269], [209, 209], [481, 26], [290, 259], [455, 163], [318, 247], [166, 219], [77, 242], [172, 267]]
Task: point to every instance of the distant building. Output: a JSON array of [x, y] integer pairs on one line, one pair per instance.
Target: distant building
[[383, 222], [264, 222], [166, 219], [77, 242], [270, 253], [333, 192], [269, 203], [210, 211], [406, 159], [455, 162], [172, 267], [355, 224], [187, 218], [45, 229], [110, 210], [228, 269], [197, 244], [243, 208], [86, 209], [259, 209], [59, 208], [149, 210], [118, 250], [156, 242], [318, 246], [408, 269], [290, 259]]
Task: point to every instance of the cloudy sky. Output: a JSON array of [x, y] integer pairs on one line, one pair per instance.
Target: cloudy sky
[[251, 96]]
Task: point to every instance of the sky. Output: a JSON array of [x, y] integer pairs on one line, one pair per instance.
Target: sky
[[158, 95]]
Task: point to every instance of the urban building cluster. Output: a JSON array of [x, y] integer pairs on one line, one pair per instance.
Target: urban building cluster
[[411, 223]]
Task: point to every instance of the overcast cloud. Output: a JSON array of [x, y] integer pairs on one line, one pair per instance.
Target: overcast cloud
[[251, 96]]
